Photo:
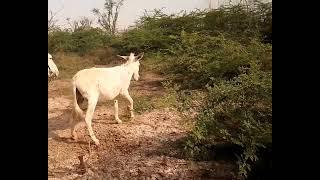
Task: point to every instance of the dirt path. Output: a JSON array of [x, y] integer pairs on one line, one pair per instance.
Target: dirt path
[[144, 148]]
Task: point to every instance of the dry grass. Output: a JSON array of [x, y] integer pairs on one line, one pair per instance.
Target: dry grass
[[69, 64]]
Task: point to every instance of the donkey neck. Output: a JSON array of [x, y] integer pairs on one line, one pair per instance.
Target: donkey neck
[[128, 70]]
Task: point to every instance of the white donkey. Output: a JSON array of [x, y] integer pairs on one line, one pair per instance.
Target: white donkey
[[52, 68], [96, 84]]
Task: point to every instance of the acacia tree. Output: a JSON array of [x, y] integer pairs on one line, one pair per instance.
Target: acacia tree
[[82, 24], [108, 19]]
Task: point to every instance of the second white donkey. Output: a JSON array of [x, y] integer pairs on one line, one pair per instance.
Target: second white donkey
[[104, 84]]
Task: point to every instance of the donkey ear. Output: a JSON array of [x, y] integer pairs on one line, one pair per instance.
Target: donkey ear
[[139, 56], [123, 57]]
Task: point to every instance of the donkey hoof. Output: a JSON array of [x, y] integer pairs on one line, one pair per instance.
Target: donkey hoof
[[97, 142], [74, 137], [118, 121]]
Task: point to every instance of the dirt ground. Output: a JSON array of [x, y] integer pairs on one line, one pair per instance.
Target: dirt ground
[[144, 148]]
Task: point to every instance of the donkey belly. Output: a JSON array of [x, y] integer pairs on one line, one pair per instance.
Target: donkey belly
[[109, 93]]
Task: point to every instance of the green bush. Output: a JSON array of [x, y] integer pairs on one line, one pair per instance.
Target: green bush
[[240, 22], [80, 42], [86, 40], [201, 59], [173, 24], [158, 32], [103, 56], [239, 112], [138, 40], [235, 22], [59, 41]]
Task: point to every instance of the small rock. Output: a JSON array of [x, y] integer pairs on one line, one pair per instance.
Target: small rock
[[134, 172]]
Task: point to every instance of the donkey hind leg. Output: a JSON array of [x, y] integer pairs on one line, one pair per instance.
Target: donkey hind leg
[[74, 121], [92, 102], [74, 125]]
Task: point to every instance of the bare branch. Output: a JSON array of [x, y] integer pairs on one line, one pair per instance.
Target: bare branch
[[82, 24], [52, 21], [108, 19]]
